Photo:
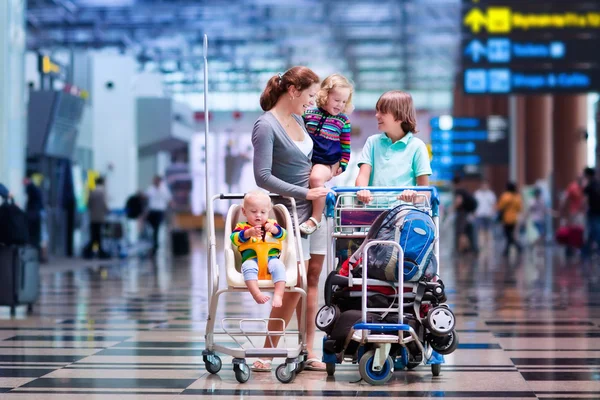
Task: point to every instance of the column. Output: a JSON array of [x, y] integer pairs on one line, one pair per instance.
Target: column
[[538, 138], [12, 96], [570, 124]]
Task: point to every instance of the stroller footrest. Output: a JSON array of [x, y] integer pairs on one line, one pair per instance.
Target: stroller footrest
[[266, 352], [382, 327]]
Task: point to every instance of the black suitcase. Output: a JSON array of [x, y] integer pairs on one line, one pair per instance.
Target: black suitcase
[[180, 243], [19, 276]]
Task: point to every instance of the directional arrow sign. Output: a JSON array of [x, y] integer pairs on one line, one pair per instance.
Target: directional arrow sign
[[475, 19], [476, 49]]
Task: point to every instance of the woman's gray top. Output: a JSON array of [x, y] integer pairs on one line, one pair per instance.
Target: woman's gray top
[[279, 165]]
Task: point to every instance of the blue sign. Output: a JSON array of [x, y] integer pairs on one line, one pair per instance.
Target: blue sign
[[462, 145]]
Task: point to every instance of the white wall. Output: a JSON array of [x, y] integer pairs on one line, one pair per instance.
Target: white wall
[[113, 123]]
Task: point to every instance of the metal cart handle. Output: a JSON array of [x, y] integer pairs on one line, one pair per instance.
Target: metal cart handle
[[432, 190]]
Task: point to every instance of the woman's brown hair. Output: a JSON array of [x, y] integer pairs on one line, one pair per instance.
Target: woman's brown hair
[[400, 105], [300, 77]]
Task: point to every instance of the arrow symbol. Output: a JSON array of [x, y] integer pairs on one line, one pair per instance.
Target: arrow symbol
[[476, 50], [475, 19]]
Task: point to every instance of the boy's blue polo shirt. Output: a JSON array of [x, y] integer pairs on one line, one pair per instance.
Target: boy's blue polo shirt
[[395, 164]]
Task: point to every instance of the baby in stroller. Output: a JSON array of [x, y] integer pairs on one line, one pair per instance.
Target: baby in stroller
[[419, 290]]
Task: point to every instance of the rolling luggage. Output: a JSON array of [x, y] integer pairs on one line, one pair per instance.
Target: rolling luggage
[[180, 243], [19, 276]]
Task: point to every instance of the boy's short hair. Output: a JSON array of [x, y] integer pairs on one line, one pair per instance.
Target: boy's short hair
[[400, 105], [257, 194], [334, 81]]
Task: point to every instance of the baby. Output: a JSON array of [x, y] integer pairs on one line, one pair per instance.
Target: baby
[[329, 127], [256, 208]]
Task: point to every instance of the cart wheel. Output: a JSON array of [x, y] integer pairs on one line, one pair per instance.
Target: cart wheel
[[440, 320], [215, 367], [330, 367], [326, 317], [413, 364], [365, 367], [282, 374], [242, 372], [436, 369], [445, 345]]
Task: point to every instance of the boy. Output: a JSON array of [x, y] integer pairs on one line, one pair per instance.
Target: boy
[[395, 157]]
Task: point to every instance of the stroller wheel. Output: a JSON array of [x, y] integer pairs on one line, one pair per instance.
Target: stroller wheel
[[371, 376], [213, 365], [444, 345], [242, 372], [283, 374], [440, 321], [326, 317]]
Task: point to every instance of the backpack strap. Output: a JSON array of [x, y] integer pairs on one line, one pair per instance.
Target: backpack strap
[[421, 286]]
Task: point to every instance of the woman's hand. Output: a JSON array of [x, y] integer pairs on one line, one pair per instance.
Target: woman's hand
[[317, 193], [365, 196], [408, 196]]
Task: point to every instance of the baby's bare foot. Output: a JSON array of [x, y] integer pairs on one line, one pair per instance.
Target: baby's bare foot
[[261, 298], [277, 300]]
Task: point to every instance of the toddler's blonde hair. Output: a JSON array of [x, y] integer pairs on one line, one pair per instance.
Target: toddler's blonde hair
[[335, 81]]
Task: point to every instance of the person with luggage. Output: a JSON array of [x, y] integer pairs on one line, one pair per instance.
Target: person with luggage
[[395, 157], [34, 208], [258, 229], [98, 210], [329, 127], [485, 214], [464, 206], [591, 191], [159, 199], [509, 206]]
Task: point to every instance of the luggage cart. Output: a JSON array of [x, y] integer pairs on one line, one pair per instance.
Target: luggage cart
[[349, 220]]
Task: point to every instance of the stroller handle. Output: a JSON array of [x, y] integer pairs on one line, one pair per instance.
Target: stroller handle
[[240, 196]]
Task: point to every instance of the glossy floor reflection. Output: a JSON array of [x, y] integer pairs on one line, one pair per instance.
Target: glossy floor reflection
[[528, 326]]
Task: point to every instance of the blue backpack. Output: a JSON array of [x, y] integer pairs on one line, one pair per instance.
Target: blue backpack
[[414, 230]]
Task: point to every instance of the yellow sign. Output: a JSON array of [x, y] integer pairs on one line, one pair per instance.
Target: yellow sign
[[505, 20], [48, 67]]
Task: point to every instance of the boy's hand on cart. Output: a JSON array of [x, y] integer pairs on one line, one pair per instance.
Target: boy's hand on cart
[[270, 227], [365, 196], [317, 193], [408, 196]]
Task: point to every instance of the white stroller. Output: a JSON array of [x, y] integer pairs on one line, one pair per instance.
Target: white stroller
[[236, 328]]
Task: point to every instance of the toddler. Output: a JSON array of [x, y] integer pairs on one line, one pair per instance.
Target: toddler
[[258, 228], [329, 127]]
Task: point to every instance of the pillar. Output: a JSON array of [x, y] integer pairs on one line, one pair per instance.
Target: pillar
[[12, 96], [520, 126], [570, 125], [538, 138]]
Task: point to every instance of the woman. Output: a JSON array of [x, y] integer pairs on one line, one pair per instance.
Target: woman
[[510, 206], [282, 154]]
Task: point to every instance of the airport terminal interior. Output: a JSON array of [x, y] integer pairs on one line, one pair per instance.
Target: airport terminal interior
[[132, 132]]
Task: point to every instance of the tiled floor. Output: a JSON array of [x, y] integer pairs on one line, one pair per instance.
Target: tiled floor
[[528, 327]]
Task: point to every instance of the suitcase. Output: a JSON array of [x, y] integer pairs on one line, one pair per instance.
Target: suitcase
[[19, 276], [571, 236], [180, 243]]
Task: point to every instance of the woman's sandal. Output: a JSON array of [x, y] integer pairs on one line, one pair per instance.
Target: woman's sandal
[[261, 365], [307, 229]]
